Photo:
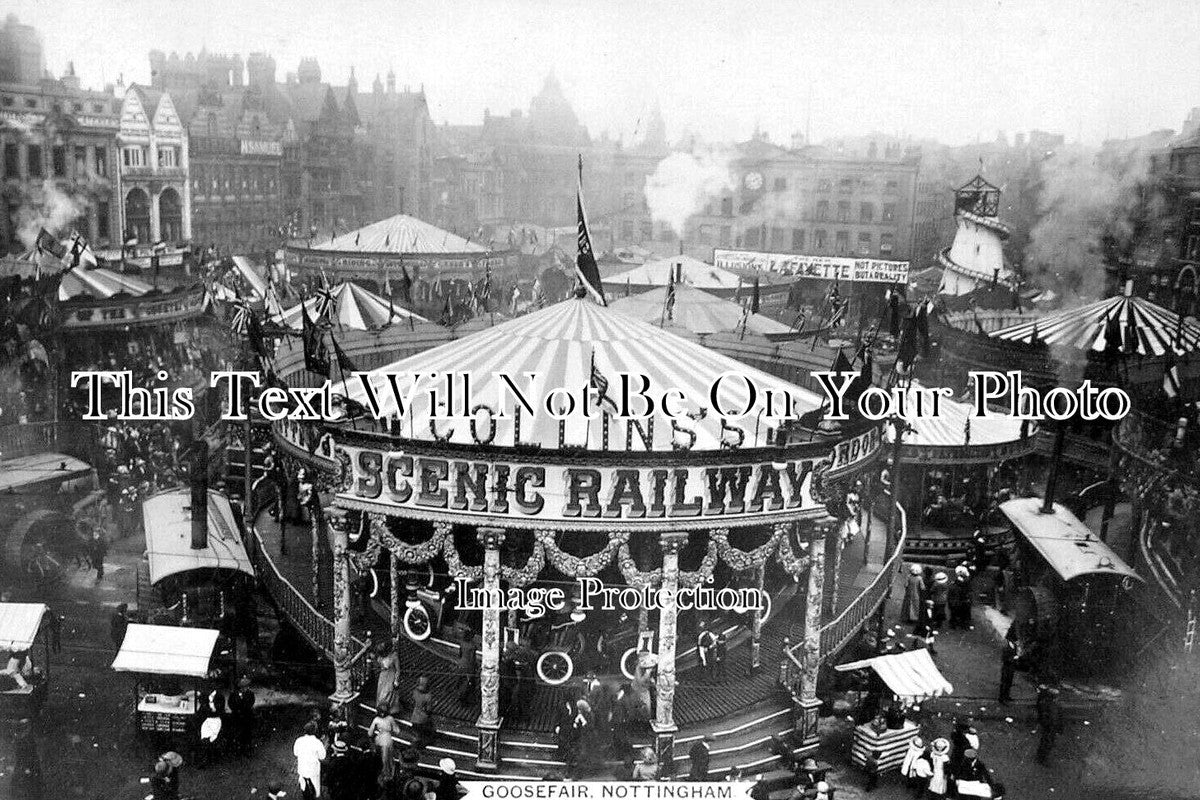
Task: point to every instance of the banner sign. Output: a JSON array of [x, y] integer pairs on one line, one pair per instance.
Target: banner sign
[[606, 790], [131, 312], [855, 452], [853, 270], [430, 266], [553, 492]]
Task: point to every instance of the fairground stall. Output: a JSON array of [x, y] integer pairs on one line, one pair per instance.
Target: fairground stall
[[526, 501], [25, 656], [1073, 612], [171, 666], [953, 464], [189, 576]]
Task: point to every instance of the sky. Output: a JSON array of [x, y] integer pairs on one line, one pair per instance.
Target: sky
[[957, 71]]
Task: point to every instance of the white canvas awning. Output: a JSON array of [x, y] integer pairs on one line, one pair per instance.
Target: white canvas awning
[[166, 650], [911, 676], [168, 524], [19, 623]]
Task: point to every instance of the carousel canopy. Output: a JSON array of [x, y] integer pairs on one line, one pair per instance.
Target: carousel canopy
[[696, 311], [353, 307], [166, 650], [1146, 329], [19, 623], [1067, 544], [401, 234], [99, 284], [912, 676], [560, 344], [168, 524], [691, 271], [955, 429]]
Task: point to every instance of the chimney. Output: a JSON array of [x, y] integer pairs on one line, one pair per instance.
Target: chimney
[[199, 485]]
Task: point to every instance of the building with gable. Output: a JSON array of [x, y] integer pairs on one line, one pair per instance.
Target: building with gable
[[152, 169]]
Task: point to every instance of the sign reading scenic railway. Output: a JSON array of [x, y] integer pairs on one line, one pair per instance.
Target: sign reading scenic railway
[[555, 492], [860, 270]]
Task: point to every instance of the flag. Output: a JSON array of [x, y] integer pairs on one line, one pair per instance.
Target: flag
[[922, 323], [906, 352], [316, 357], [1132, 334], [356, 235], [46, 243], [539, 299], [627, 287], [447, 312], [81, 252], [585, 261], [345, 365], [669, 301], [1171, 381], [1112, 337], [737, 293], [405, 285], [755, 298], [600, 383], [516, 295], [323, 308]]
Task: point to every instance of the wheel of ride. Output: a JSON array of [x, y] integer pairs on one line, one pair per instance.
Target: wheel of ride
[[417, 624], [554, 667], [629, 663]]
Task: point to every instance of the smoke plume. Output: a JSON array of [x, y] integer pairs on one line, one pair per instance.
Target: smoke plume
[[1085, 196], [684, 182], [49, 208]]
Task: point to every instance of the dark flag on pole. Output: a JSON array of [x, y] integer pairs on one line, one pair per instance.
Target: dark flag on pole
[[447, 312], [585, 262], [316, 356], [755, 298], [405, 286], [345, 365]]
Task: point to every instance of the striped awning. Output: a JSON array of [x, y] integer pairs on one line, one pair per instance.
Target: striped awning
[[353, 307], [401, 234], [697, 311], [99, 284], [1146, 329], [559, 344], [912, 676]]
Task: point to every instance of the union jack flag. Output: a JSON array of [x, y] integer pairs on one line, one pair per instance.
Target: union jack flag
[[323, 307]]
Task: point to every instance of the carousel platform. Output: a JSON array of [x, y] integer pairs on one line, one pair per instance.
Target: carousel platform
[[741, 713]]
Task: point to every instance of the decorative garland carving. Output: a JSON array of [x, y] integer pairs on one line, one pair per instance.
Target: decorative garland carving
[[456, 566], [635, 577], [793, 564], [411, 553], [343, 479], [580, 566], [741, 560]]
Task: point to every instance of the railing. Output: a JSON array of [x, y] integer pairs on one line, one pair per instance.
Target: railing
[[314, 626], [836, 633], [72, 438]]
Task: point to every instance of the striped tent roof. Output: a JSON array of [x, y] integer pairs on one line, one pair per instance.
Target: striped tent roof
[[955, 425], [559, 343], [401, 234], [696, 311], [353, 307], [99, 284], [692, 271], [1155, 329], [911, 676]]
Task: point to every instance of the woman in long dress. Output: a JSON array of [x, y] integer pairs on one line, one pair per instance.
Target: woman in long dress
[[382, 729], [385, 684]]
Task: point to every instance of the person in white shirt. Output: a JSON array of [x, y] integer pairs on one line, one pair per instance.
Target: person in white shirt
[[309, 752]]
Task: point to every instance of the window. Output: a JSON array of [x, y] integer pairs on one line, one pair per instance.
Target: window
[[81, 161], [778, 238], [866, 213], [30, 102], [133, 156], [101, 161], [647, 230], [666, 233], [824, 185], [12, 161], [846, 185], [886, 243], [97, 108], [843, 211], [889, 212], [752, 237], [864, 244], [892, 187], [58, 160], [34, 159], [797, 238], [841, 244], [7, 101], [102, 219], [781, 184], [629, 200], [822, 210], [726, 235], [627, 230], [167, 157], [820, 240], [77, 107], [211, 124], [727, 206]]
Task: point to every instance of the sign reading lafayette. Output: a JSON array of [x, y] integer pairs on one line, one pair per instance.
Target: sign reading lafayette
[[562, 492], [864, 270]]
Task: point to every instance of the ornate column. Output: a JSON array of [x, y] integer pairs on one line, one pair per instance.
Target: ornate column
[[397, 596], [808, 703], [756, 624], [487, 757], [342, 641], [835, 572], [664, 716]]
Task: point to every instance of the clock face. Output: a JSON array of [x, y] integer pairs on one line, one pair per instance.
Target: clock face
[[753, 181]]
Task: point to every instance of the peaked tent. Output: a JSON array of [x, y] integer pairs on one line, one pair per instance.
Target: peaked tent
[[1157, 330], [99, 284], [353, 307]]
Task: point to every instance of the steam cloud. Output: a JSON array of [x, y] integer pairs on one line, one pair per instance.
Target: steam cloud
[[49, 208], [683, 183], [1084, 196]]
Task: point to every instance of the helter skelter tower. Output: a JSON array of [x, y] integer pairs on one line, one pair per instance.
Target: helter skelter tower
[[976, 257]]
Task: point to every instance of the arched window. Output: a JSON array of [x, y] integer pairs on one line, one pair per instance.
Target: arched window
[[137, 215], [170, 216]]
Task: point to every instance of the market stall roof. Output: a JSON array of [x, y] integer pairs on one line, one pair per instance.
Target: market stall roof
[[168, 523], [956, 434], [912, 676], [19, 623], [166, 650], [25, 473], [99, 284], [401, 234], [691, 271], [353, 307], [1146, 329], [697, 311], [559, 344], [1068, 545]]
